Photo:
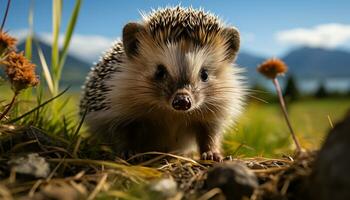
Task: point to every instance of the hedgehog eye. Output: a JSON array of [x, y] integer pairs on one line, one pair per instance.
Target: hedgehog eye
[[204, 75], [161, 72]]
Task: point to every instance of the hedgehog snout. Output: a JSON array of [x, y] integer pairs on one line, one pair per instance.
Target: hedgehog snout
[[182, 101]]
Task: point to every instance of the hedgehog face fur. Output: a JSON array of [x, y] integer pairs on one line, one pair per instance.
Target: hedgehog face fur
[[174, 78]]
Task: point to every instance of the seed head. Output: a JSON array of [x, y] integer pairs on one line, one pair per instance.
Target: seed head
[[273, 67], [20, 71], [6, 42]]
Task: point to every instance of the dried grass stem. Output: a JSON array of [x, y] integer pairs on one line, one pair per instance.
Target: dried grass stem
[[284, 109]]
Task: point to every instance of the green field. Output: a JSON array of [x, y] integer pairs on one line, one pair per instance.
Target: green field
[[262, 130]]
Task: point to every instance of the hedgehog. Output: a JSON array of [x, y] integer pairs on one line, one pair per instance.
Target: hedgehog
[[169, 85]]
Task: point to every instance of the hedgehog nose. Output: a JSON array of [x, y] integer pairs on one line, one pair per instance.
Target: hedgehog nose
[[182, 102]]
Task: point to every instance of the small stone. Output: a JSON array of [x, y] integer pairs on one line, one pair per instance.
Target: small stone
[[167, 187], [31, 164], [233, 178]]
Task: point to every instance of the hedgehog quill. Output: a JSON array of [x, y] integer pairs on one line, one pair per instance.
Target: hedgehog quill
[[170, 85]]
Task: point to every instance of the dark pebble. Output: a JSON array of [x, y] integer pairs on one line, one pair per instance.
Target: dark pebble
[[233, 178]]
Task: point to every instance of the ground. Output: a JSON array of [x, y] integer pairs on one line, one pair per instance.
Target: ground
[[78, 165]]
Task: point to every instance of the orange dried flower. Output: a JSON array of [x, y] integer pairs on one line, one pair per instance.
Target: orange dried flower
[[20, 71], [6, 42], [273, 67]]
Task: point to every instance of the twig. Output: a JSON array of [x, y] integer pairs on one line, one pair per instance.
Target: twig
[[76, 147], [146, 171], [167, 154], [269, 170], [153, 160], [54, 170], [98, 187], [34, 188], [5, 15], [330, 121], [210, 194], [237, 149], [5, 192], [76, 137]]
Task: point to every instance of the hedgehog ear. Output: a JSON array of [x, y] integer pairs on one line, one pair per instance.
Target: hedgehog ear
[[130, 41], [232, 42]]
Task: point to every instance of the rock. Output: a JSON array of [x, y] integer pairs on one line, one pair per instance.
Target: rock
[[166, 187], [331, 176], [233, 178], [31, 164]]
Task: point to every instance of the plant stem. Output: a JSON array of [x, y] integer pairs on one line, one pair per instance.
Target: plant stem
[[283, 106], [38, 107], [9, 106], [5, 15]]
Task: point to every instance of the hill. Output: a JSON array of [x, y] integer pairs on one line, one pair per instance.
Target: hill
[[318, 63], [304, 63], [249, 62]]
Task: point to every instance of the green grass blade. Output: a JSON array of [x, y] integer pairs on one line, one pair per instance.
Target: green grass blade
[[68, 36], [38, 107], [56, 23], [25, 95], [80, 124], [45, 68], [29, 39], [39, 98], [28, 47]]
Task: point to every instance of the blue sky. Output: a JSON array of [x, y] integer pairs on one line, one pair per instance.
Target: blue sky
[[268, 27]]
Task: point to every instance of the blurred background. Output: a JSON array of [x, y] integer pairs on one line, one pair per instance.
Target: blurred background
[[312, 37]]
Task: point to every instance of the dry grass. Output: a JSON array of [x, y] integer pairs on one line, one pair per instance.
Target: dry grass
[[83, 176]]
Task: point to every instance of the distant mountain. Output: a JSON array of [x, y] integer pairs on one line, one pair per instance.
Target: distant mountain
[[249, 62], [318, 63], [247, 59], [304, 63], [74, 70]]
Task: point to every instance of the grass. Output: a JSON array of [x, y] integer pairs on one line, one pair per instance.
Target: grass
[[58, 59], [262, 131]]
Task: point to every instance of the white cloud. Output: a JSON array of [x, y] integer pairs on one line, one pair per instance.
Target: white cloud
[[20, 34], [325, 35], [87, 47], [90, 46]]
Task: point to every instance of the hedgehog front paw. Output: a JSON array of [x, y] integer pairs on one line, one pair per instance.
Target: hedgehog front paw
[[210, 155]]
